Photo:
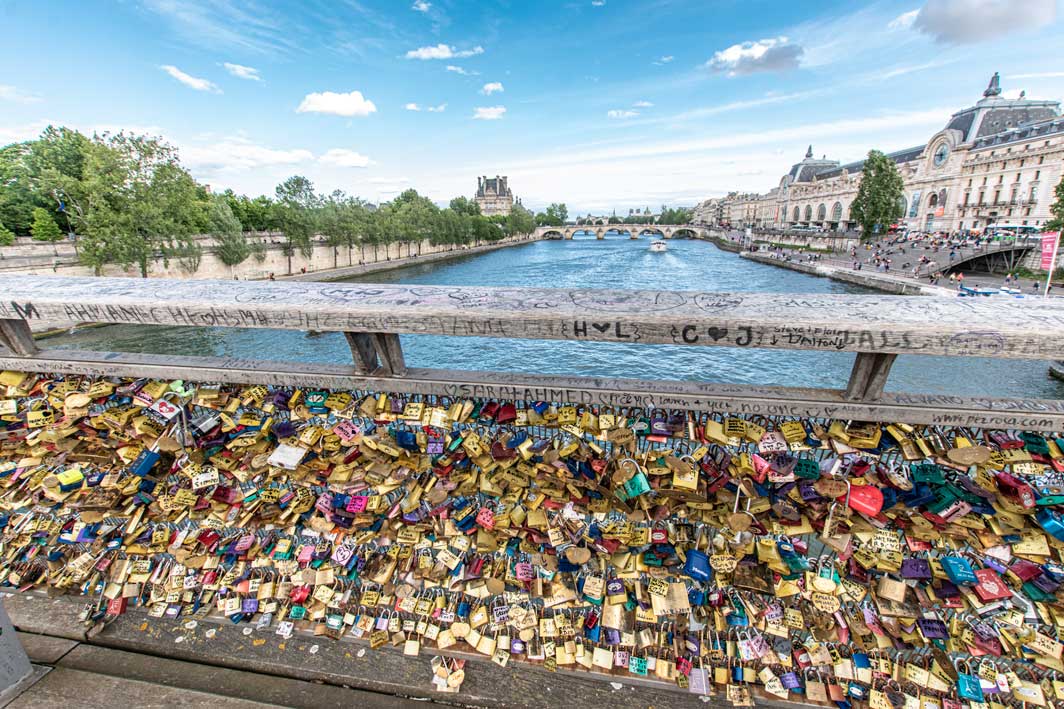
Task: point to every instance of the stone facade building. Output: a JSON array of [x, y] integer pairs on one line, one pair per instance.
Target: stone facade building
[[494, 196], [995, 162]]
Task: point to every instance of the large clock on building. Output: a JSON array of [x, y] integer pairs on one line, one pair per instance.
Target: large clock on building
[[941, 153]]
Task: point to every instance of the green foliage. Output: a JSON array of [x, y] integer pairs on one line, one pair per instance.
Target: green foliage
[[138, 204], [520, 221], [466, 206], [44, 227], [556, 215], [131, 202], [1057, 210], [7, 237], [878, 203], [296, 214], [231, 245], [673, 216]]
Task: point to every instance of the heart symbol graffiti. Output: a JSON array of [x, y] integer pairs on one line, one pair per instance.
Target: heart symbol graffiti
[[601, 326], [717, 333]]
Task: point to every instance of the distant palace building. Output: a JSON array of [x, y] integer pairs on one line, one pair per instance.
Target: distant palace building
[[494, 196], [995, 162]]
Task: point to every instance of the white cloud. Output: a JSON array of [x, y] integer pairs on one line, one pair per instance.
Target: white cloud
[[242, 72], [622, 114], [345, 158], [192, 82], [966, 21], [492, 87], [903, 21], [421, 6], [460, 70], [349, 104], [431, 109], [1039, 75], [388, 180], [238, 154], [664, 60], [443, 51], [488, 113], [10, 93], [775, 54], [642, 104], [598, 3]]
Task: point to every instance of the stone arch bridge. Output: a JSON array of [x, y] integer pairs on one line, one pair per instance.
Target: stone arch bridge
[[634, 231]]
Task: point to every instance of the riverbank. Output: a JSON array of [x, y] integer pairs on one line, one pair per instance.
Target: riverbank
[[336, 274], [897, 285], [42, 329]]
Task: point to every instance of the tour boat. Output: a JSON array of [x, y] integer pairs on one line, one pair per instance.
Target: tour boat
[[658, 246]]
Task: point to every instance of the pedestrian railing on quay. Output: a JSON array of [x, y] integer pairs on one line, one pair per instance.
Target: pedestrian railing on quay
[[877, 328]]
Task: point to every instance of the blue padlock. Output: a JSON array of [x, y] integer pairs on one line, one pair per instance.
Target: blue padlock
[[1052, 522], [697, 565]]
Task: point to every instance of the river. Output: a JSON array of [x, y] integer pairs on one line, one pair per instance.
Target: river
[[611, 263]]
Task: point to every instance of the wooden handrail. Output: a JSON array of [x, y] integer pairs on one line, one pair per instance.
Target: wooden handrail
[[372, 316], [882, 324]]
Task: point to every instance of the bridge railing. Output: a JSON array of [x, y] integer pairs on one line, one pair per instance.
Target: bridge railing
[[877, 328]]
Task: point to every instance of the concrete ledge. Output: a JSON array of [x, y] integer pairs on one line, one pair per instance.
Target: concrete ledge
[[72, 689], [335, 274], [345, 663], [870, 279], [221, 681], [45, 649]]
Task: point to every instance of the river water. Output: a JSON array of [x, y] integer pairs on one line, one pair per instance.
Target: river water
[[610, 263]]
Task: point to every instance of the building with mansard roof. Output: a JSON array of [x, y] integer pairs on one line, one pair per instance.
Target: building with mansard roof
[[995, 162], [494, 196]]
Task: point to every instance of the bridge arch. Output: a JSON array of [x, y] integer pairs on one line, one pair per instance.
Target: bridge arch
[[685, 232], [557, 234]]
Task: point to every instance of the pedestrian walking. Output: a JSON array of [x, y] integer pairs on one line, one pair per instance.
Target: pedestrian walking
[[952, 279]]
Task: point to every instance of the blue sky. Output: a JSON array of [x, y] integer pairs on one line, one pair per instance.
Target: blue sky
[[603, 104]]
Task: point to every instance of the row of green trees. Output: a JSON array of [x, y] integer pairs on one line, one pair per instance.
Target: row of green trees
[[129, 201]]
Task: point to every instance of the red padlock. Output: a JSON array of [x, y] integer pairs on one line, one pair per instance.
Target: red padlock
[[1016, 489]]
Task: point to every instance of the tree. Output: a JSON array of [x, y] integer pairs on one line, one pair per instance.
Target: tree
[[520, 221], [295, 212], [558, 214], [1057, 210], [56, 165], [44, 227], [231, 245], [464, 205], [7, 237], [18, 198], [879, 196]]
